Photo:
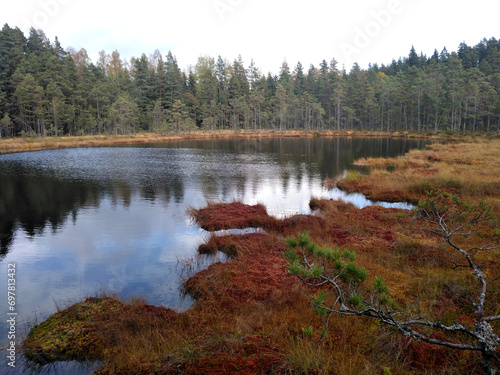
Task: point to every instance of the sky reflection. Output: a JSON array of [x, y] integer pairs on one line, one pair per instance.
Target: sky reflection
[[81, 221]]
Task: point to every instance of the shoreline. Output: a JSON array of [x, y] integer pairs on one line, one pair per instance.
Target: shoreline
[[14, 145], [250, 313]]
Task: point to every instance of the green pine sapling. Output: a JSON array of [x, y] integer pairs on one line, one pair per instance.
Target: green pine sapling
[[344, 288]]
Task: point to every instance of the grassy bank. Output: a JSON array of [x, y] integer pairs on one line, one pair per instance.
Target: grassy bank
[[249, 312], [471, 170], [37, 143]]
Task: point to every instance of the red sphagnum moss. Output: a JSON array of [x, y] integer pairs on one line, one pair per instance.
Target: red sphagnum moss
[[249, 313]]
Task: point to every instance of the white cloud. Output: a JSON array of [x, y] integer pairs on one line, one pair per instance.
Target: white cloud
[[267, 31]]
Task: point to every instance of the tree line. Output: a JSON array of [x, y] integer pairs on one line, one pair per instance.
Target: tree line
[[46, 90]]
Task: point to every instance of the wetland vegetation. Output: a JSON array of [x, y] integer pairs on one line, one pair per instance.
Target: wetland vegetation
[[250, 312], [118, 214]]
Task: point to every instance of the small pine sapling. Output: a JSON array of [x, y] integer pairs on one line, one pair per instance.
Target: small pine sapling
[[344, 288]]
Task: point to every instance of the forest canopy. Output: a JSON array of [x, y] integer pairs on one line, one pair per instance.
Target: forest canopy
[[46, 90]]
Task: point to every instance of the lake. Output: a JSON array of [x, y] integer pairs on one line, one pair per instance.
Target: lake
[[78, 222]]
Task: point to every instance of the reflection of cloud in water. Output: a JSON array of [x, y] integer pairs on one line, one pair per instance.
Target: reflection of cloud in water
[[360, 201], [134, 255], [121, 213], [227, 232]]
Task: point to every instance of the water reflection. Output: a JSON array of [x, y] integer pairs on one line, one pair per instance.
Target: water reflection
[[45, 188], [115, 218], [32, 201]]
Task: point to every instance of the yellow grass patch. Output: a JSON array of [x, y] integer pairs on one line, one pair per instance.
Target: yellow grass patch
[[470, 169]]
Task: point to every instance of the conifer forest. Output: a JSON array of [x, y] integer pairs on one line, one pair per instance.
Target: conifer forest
[[47, 90]]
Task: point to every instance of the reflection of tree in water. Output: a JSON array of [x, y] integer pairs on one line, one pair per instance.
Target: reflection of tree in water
[[309, 157], [6, 232], [328, 157], [33, 201], [44, 201], [164, 190]]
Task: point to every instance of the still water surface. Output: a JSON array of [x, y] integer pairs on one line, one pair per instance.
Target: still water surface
[[79, 221]]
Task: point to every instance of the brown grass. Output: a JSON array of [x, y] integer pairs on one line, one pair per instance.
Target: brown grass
[[19, 144], [470, 169], [249, 313], [219, 216], [101, 328]]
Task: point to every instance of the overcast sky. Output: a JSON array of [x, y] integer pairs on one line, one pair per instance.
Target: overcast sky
[[268, 31]]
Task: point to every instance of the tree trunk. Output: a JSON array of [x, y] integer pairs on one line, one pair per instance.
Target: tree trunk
[[54, 114], [418, 110], [382, 120], [436, 115], [475, 114], [488, 368], [465, 115], [388, 119], [338, 112]]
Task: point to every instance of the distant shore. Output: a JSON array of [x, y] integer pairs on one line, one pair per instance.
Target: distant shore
[[23, 144], [250, 312]]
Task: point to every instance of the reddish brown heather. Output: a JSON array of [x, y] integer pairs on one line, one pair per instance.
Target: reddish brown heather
[[232, 246], [91, 329], [249, 313], [219, 216], [471, 170], [382, 246], [255, 276], [248, 356]]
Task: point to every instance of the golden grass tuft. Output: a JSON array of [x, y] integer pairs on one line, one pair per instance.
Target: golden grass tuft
[[249, 312], [470, 169]]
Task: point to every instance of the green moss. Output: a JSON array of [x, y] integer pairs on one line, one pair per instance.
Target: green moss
[[69, 334], [352, 175]]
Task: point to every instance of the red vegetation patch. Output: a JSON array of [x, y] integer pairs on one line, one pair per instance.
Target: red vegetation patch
[[380, 217], [257, 274], [393, 195], [251, 355], [342, 237], [254, 277], [89, 328], [345, 225], [234, 245], [428, 357], [330, 205], [219, 216], [355, 185], [237, 215], [299, 223], [425, 255]]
